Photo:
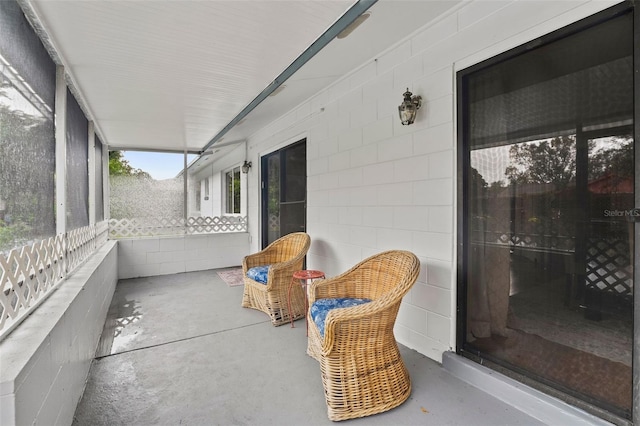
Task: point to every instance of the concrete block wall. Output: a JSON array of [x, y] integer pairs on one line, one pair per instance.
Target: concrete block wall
[[46, 360], [374, 184], [171, 255]]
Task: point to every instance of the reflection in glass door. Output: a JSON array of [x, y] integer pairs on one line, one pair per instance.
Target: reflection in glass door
[[551, 277], [284, 192], [547, 276]]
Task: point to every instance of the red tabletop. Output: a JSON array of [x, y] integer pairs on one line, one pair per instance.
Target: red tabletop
[[308, 274]]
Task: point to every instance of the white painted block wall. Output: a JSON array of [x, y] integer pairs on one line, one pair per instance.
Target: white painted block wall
[[46, 360], [172, 255], [374, 184]]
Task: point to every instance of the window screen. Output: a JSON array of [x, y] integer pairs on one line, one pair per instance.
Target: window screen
[[27, 144], [77, 166]]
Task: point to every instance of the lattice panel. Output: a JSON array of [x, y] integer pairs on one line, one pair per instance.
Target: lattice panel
[[609, 266], [81, 243], [206, 224], [149, 227], [28, 275], [533, 241], [145, 227]]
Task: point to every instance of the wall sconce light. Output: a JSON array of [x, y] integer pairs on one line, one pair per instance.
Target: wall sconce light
[[246, 166], [409, 106]]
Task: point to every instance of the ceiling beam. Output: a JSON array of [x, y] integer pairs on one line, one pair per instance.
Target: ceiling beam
[[340, 25]]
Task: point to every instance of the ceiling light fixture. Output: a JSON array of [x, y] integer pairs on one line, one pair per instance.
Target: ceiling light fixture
[[278, 90], [352, 26], [409, 107]]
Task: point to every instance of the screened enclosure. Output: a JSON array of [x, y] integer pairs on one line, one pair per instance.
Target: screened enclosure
[[48, 225]]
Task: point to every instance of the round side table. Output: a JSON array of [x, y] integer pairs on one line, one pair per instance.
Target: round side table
[[304, 277]]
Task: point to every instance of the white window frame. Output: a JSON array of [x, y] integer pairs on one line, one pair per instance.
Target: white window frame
[[224, 197]]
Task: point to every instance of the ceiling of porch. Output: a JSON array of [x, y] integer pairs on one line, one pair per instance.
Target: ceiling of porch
[[175, 75]]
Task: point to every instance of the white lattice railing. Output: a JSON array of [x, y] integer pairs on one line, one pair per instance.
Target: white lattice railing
[[31, 273], [161, 226], [206, 224]]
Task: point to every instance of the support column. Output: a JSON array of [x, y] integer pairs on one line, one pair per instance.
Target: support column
[[105, 182], [185, 192], [91, 149], [60, 122]]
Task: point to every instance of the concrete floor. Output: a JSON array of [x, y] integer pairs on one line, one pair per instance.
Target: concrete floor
[[179, 349]]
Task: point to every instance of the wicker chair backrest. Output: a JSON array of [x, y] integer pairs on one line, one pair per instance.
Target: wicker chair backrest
[[287, 247], [387, 274]]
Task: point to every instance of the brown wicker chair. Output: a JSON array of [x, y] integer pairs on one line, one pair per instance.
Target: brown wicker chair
[[362, 370], [285, 255]]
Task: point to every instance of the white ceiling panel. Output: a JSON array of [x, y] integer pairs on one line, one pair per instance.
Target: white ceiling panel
[[168, 63], [171, 74]]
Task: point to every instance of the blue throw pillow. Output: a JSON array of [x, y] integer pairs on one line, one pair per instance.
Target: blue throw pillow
[[259, 273], [321, 308]]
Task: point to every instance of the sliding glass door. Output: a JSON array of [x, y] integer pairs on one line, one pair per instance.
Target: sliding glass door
[[284, 192], [546, 276]]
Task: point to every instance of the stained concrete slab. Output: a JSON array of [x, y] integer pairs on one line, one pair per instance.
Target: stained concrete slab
[[149, 311], [194, 356]]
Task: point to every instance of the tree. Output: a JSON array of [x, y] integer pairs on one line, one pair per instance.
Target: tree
[[551, 161], [119, 166], [616, 158]]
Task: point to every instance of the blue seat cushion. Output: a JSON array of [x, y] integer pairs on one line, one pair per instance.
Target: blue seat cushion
[[321, 308], [259, 273]]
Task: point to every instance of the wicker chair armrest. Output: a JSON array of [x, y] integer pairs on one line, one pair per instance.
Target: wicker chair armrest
[[282, 272], [260, 258], [338, 318], [264, 257], [289, 247], [251, 261]]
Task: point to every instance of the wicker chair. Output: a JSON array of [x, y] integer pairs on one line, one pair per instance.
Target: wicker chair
[[285, 255], [362, 370]]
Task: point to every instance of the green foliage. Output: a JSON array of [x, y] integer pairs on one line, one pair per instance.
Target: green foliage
[[13, 235], [119, 166], [551, 161], [554, 161], [614, 159], [273, 191]]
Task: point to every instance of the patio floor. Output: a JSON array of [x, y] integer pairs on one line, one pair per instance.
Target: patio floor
[[179, 349]]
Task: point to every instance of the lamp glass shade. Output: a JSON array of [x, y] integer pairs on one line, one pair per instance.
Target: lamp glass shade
[[409, 106], [407, 113]]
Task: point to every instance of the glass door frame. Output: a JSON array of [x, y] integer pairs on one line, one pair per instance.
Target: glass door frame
[[463, 163], [635, 402], [264, 199]]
